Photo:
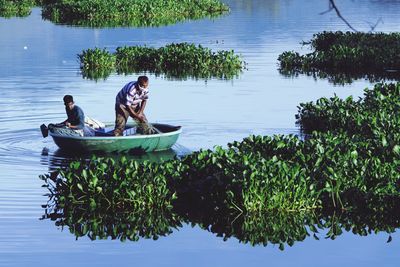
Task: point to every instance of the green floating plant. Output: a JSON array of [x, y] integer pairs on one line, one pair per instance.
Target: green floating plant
[[138, 13], [96, 63], [16, 8], [181, 60], [343, 57], [373, 117]]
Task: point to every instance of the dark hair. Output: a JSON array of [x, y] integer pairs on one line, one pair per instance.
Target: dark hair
[[68, 99], [142, 80]]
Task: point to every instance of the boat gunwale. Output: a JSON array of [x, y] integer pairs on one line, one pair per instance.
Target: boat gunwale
[[178, 131]]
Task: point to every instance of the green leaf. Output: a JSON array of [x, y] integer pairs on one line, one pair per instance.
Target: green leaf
[[80, 186], [84, 174], [95, 180], [384, 141], [354, 154], [396, 149]]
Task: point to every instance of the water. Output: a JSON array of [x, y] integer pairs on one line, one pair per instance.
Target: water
[[39, 66]]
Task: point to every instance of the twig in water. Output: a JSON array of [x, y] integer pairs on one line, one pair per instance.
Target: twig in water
[[332, 6]]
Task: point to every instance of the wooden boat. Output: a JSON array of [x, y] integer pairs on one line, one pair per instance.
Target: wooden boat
[[105, 141]]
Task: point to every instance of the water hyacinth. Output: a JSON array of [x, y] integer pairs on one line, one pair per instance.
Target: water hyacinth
[[180, 60], [96, 59], [374, 117], [108, 184], [126, 200], [16, 8], [102, 13], [139, 13], [96, 63], [343, 57]]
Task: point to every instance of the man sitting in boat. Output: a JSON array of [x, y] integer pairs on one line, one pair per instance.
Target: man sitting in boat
[[74, 125], [131, 101]]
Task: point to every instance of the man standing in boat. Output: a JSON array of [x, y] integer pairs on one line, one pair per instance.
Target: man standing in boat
[[131, 101]]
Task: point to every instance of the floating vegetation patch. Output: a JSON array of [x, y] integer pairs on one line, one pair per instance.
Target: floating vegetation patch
[[349, 164], [373, 118], [344, 57], [111, 200], [110, 184], [181, 60], [96, 63], [125, 200], [138, 13], [16, 8]]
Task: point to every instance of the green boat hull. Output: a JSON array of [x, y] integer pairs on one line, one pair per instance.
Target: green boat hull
[[132, 143]]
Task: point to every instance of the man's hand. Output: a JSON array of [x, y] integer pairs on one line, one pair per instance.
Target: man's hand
[[141, 117], [68, 124]]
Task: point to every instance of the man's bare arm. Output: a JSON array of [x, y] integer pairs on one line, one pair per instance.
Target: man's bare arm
[[132, 113], [143, 106]]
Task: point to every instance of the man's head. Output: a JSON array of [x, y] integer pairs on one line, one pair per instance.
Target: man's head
[[68, 101], [143, 82]]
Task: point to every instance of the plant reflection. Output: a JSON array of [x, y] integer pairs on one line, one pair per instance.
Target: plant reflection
[[341, 78], [105, 224], [282, 229], [345, 56]]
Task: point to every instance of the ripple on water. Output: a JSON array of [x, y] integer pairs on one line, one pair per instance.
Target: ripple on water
[[20, 147]]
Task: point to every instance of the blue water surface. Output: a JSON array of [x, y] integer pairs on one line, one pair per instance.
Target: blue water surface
[[39, 66]]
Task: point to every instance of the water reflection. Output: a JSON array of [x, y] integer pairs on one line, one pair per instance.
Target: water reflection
[[271, 7], [171, 74], [281, 229], [61, 159], [342, 78], [113, 225]]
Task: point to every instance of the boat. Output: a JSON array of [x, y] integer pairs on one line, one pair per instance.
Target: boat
[[104, 141]]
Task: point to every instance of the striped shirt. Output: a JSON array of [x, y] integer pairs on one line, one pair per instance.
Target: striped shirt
[[129, 95]]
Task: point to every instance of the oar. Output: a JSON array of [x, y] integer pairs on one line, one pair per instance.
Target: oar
[[45, 129]]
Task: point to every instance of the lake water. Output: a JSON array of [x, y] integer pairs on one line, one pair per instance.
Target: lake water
[[39, 66]]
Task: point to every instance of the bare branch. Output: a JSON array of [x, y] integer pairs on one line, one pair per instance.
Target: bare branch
[[327, 11], [380, 20], [334, 7]]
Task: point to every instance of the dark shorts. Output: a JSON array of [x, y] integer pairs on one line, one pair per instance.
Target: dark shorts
[[121, 117]]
